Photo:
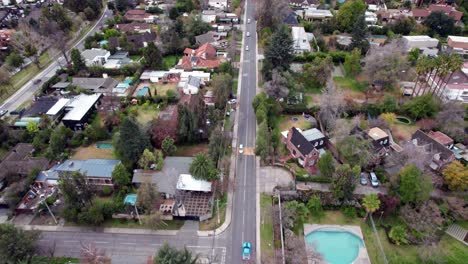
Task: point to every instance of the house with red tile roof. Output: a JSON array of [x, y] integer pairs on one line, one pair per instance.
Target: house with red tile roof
[[140, 15], [203, 57], [421, 14], [5, 35]]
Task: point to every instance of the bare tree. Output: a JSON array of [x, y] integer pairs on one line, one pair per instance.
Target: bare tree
[[386, 64], [270, 13], [92, 255], [295, 250], [451, 121], [4, 80], [331, 106], [277, 86], [29, 42], [312, 255]]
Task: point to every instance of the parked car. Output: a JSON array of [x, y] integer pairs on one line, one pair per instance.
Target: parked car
[[36, 81], [246, 249], [248, 34], [248, 20], [232, 101], [373, 179], [241, 148], [3, 112], [363, 179]]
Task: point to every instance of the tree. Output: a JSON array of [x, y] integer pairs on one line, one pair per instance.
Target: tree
[[360, 34], [121, 176], [217, 145], [349, 12], [389, 104], [352, 63], [58, 142], [91, 8], [203, 168], [450, 120], [32, 128], [299, 211], [413, 187], [58, 14], [77, 192], [153, 220], [222, 85], [14, 60], [413, 56], [456, 176], [277, 86], [315, 206], [398, 235], [356, 151], [404, 26], [121, 5], [371, 203], [278, 52], [4, 79], [188, 124], [344, 181], [131, 142], [171, 255], [316, 74], [77, 60], [331, 106], [147, 196], [153, 58], [17, 245], [326, 165], [168, 146], [146, 160], [172, 42], [440, 23], [92, 255], [421, 107], [386, 64], [270, 13], [262, 144], [425, 219], [195, 26], [388, 204], [389, 118]]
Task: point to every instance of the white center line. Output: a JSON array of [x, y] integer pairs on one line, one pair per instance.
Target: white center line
[[128, 243]]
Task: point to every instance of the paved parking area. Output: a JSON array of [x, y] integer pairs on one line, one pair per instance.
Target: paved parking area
[[270, 177]]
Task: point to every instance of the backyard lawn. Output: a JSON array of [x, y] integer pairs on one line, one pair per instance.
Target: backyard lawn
[[145, 114], [92, 152], [350, 83], [402, 132], [266, 228], [124, 223], [286, 122], [170, 61], [161, 89], [191, 150]]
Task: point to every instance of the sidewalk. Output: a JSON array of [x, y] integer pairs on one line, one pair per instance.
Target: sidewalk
[[111, 230]]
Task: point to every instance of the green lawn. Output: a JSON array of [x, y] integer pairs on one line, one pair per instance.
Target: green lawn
[[286, 122], [448, 248], [350, 83], [123, 223], [135, 57], [54, 260], [266, 227], [170, 61], [463, 224]]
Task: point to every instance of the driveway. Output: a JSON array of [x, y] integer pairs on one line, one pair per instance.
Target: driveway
[[270, 177]]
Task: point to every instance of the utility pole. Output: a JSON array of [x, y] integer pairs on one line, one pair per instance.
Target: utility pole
[[138, 215], [50, 211], [281, 227]]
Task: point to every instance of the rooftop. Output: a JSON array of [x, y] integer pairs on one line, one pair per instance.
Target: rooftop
[[440, 137], [91, 54], [58, 106], [300, 39], [95, 85], [300, 142], [458, 39], [376, 133], [81, 104], [312, 134], [41, 106], [187, 182], [95, 168]]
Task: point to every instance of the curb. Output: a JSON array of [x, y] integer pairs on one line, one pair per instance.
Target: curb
[[110, 230]]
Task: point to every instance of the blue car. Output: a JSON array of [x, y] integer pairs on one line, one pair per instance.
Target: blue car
[[246, 248]]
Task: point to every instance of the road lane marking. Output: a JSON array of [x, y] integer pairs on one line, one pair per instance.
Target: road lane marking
[[101, 242], [128, 243], [70, 241]]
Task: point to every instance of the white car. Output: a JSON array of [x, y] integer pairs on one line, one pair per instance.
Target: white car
[[232, 101], [373, 179], [248, 20], [241, 148], [247, 48], [248, 34]]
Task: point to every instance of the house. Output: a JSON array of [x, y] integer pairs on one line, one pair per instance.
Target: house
[[78, 110], [140, 15], [452, 87], [303, 3], [97, 171], [40, 106], [5, 36], [371, 18], [218, 4], [60, 86], [421, 14], [209, 98], [313, 14], [425, 44], [217, 39], [95, 57], [457, 44], [440, 154], [134, 27], [291, 19], [19, 161], [300, 40], [203, 57], [192, 85], [194, 198], [227, 18], [118, 60], [95, 85], [300, 148], [209, 16], [441, 138], [58, 109], [380, 140]]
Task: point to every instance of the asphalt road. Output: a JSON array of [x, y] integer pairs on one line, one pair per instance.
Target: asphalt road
[[26, 93], [224, 248]]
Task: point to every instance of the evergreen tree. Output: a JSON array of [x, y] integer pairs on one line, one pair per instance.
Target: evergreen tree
[[171, 255], [360, 34], [131, 142], [352, 63], [153, 58], [279, 51], [78, 61]]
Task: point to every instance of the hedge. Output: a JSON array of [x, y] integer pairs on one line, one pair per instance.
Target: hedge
[[46, 85], [299, 109], [127, 70], [309, 178], [337, 56]]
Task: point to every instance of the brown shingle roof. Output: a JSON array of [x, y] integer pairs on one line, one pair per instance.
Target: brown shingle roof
[[19, 161]]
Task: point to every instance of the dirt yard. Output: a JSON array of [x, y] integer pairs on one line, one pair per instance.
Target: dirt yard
[[191, 150], [91, 152], [161, 89], [402, 132]]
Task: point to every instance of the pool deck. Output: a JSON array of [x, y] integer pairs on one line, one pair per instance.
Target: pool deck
[[362, 258]]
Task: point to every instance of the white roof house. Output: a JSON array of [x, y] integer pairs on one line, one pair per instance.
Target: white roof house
[[371, 18], [220, 4], [317, 14], [152, 76], [192, 85], [95, 56], [184, 75], [458, 44], [61, 103], [80, 105], [188, 183], [425, 44], [300, 40]]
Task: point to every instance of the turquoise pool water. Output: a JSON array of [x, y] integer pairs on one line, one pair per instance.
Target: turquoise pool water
[[341, 1], [104, 145], [336, 246], [143, 91], [130, 199]]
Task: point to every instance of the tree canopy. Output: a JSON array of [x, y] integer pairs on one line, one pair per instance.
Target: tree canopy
[[326, 165], [203, 168], [412, 186], [359, 35], [349, 12], [344, 181], [78, 61], [171, 255], [121, 176], [440, 23], [279, 51], [421, 107], [153, 57], [130, 142], [17, 245], [456, 176]]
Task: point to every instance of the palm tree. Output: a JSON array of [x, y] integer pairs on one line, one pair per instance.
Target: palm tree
[[437, 65], [371, 202], [202, 167], [443, 71], [422, 68], [455, 62]]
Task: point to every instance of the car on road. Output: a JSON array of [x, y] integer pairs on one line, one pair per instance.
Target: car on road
[[241, 148], [363, 179], [246, 249], [3, 112], [373, 179], [248, 34], [37, 81], [248, 20], [247, 48]]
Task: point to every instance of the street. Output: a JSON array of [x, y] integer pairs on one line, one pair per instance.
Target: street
[[223, 248], [26, 93]]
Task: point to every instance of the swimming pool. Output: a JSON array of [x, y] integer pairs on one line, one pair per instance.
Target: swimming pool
[[335, 245], [130, 199], [143, 91], [104, 145], [341, 1]]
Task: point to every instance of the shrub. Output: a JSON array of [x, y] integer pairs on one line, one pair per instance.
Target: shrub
[[51, 200], [397, 235], [312, 178], [349, 212], [106, 190]]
